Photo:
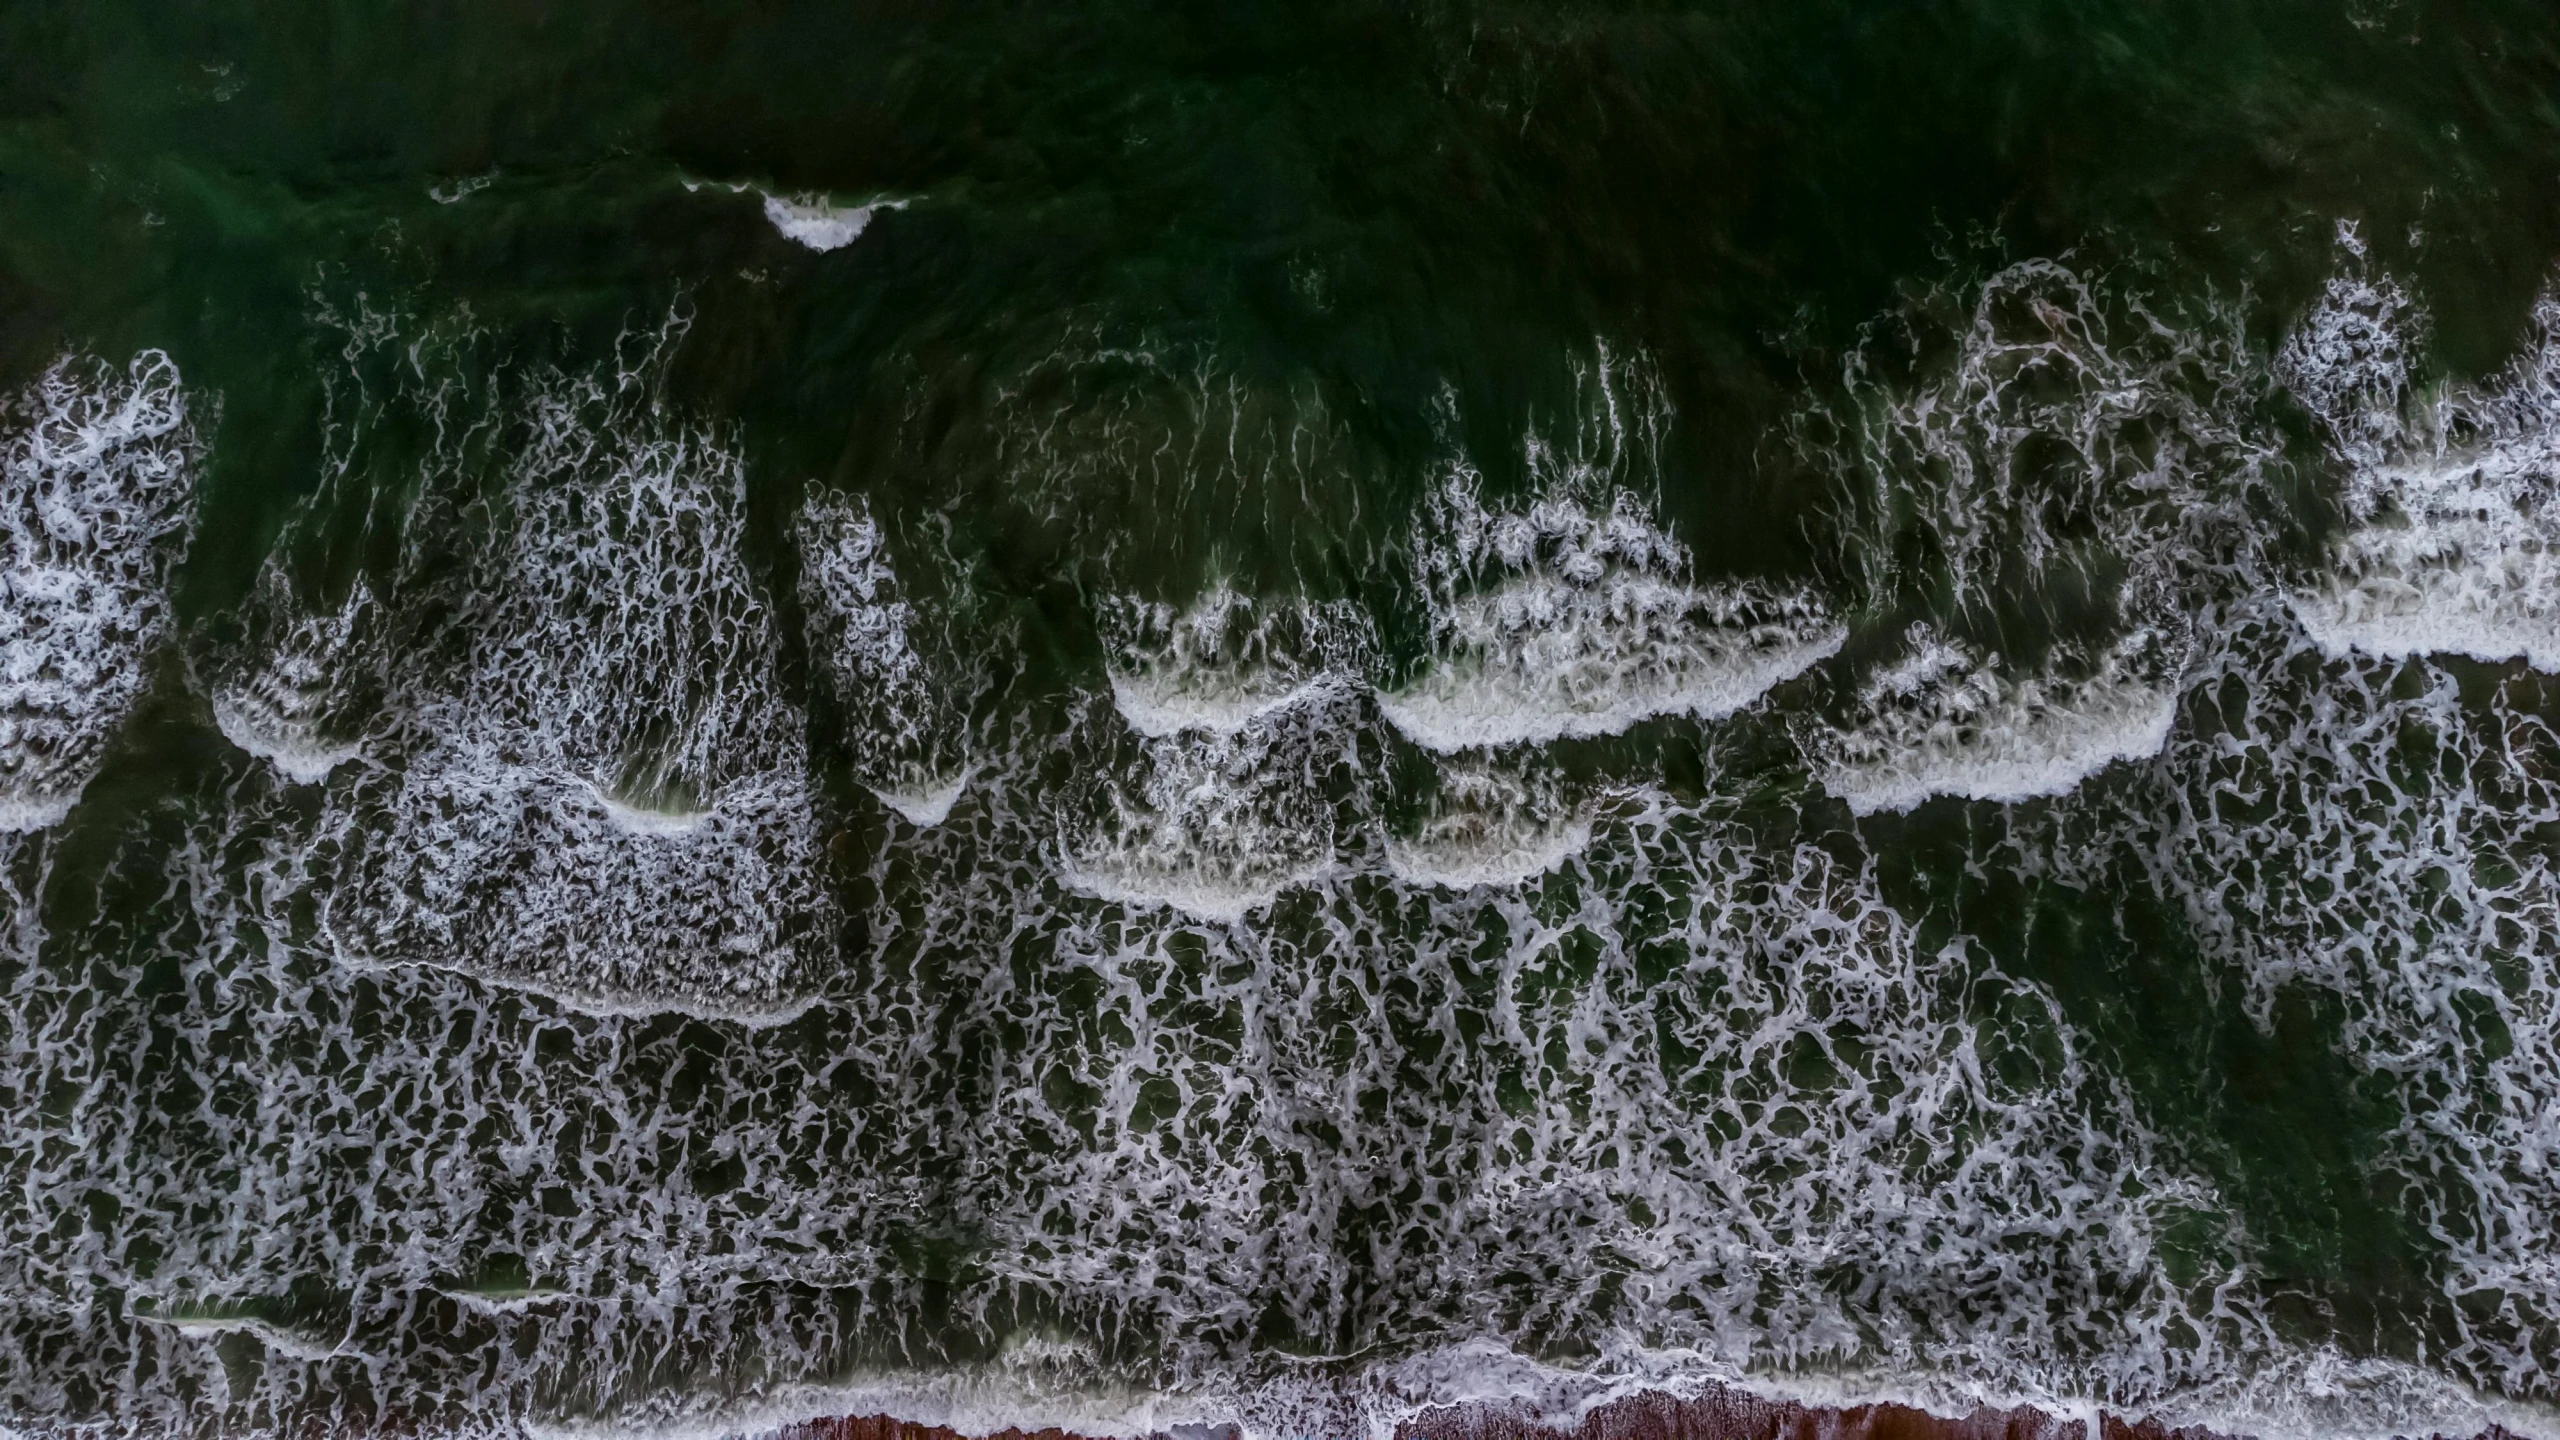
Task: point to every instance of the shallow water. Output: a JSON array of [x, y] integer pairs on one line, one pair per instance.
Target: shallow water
[[1125, 716]]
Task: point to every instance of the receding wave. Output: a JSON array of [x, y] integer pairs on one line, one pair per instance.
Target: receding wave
[[603, 792], [97, 486]]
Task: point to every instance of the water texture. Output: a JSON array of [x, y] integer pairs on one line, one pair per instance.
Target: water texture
[[1136, 716]]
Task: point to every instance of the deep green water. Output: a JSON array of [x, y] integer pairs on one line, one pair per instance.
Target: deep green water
[[1346, 705]]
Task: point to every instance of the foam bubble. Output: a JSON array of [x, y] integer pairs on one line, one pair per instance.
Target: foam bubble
[[96, 473]]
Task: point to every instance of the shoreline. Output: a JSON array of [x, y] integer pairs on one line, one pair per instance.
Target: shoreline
[[1717, 1412]]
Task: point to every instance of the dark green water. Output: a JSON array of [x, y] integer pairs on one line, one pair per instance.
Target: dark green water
[[1126, 715]]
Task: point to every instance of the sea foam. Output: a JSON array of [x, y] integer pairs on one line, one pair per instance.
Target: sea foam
[[1945, 720], [820, 223], [904, 679], [1490, 824], [2453, 496], [1706, 1098], [593, 784], [1218, 823], [1227, 659], [286, 703], [97, 469], [2367, 829], [1573, 616], [2038, 448]]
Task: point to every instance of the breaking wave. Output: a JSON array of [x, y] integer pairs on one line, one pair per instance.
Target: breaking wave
[[559, 753], [1944, 721], [1571, 618], [1227, 660], [2453, 497], [1218, 823], [289, 705], [1575, 614]]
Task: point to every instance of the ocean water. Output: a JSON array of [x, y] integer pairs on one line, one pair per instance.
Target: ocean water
[[1140, 715]]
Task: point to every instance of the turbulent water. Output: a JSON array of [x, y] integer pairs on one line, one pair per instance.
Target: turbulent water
[[1137, 717]]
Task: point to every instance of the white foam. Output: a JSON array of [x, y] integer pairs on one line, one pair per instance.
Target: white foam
[[1490, 827], [587, 1001], [22, 813], [454, 192], [608, 800], [2323, 1393], [283, 705], [2003, 449], [820, 223], [1228, 660], [1161, 710], [96, 474], [1240, 706], [529, 877], [2311, 1394], [1218, 824], [853, 592], [1706, 1099], [974, 1400], [929, 804], [2351, 359], [1945, 721], [650, 819], [1224, 890], [1575, 618], [907, 709], [2363, 828], [300, 761], [1619, 1129], [511, 1302], [2454, 498], [2484, 584], [276, 1338]]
